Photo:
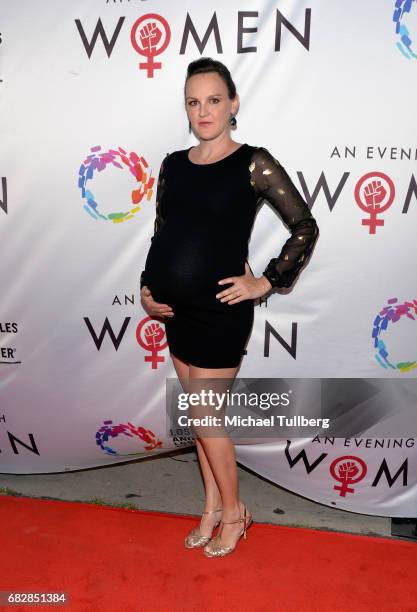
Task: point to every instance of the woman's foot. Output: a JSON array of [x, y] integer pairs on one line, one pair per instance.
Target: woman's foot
[[210, 520], [199, 536], [233, 526]]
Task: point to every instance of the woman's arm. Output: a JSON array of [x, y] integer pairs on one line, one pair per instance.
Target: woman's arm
[[271, 181], [159, 221]]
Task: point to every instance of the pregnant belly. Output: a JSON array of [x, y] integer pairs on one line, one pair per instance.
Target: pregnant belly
[[180, 267]]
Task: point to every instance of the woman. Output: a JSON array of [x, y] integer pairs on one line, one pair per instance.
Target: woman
[[196, 274]]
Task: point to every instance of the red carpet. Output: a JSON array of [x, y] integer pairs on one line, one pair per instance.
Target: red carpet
[[130, 560]]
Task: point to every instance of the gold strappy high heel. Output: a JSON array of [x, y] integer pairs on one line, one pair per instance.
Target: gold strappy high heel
[[195, 539], [215, 548]]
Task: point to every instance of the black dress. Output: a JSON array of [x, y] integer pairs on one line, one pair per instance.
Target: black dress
[[204, 218]]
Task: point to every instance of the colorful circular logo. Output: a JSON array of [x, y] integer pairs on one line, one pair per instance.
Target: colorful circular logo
[[118, 158], [149, 441], [392, 314]]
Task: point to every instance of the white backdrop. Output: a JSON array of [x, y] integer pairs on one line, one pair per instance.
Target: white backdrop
[[330, 91]]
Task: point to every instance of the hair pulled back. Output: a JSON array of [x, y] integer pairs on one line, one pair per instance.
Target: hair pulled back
[[207, 64]]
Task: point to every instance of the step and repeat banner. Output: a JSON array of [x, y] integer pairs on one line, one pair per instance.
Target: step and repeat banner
[[91, 102]]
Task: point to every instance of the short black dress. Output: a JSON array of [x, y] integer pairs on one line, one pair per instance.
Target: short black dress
[[204, 218]]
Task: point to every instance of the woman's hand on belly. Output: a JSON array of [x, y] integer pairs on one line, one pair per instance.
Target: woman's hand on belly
[[245, 287], [154, 309]]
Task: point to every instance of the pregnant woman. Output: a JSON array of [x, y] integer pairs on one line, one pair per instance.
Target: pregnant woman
[[197, 276]]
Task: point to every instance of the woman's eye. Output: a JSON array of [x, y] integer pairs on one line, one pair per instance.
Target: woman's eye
[[194, 102]]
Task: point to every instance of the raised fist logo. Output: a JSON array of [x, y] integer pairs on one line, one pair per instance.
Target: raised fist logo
[[154, 334], [150, 35], [374, 193], [347, 470], [151, 336]]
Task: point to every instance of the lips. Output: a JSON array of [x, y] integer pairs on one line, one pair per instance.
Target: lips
[[204, 122]]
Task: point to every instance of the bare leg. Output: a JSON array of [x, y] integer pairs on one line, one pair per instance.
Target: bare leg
[[221, 457], [213, 497]]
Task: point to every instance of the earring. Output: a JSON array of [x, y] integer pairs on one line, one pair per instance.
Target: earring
[[233, 121], [189, 127]]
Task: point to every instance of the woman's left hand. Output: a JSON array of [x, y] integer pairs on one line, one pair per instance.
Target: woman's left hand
[[245, 287]]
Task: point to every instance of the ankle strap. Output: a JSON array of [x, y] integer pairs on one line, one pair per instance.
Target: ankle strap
[[210, 511], [230, 522], [239, 520]]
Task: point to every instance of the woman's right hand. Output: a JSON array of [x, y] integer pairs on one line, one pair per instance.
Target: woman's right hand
[[154, 309]]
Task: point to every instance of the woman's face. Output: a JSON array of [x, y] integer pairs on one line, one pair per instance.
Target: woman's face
[[208, 105]]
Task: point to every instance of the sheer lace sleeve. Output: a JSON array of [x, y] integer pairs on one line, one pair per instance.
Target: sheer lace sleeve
[[160, 189], [271, 181]]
